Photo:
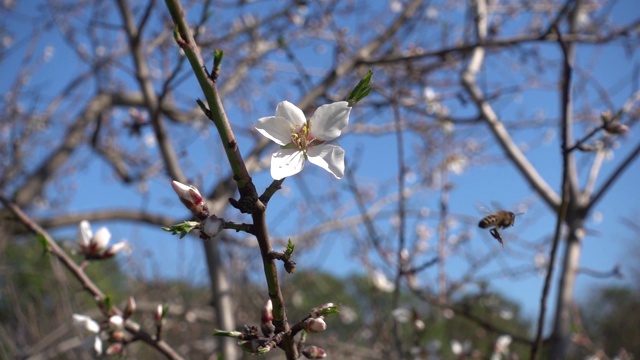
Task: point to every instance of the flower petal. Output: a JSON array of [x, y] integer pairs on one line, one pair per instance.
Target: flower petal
[[292, 113], [328, 157], [279, 128], [86, 322], [97, 345], [286, 162], [102, 238], [276, 129], [329, 120], [84, 234]]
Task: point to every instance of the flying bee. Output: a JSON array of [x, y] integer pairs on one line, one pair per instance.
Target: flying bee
[[498, 220]]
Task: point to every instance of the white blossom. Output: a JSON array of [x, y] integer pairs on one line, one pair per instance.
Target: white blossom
[[303, 139]]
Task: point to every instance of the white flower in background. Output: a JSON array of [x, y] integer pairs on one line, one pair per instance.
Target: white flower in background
[[92, 326], [402, 315], [303, 139], [95, 245], [501, 347], [381, 282]]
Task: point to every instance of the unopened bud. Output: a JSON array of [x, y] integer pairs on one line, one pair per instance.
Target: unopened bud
[[212, 226], [114, 349], [616, 128], [159, 314], [116, 321], [315, 325], [314, 352], [117, 336], [130, 308], [266, 319], [191, 198]]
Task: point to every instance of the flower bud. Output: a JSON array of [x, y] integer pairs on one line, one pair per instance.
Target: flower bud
[[130, 308], [114, 349], [191, 198], [616, 128], [159, 314], [315, 325], [117, 336], [212, 226], [266, 319], [314, 352], [116, 321]]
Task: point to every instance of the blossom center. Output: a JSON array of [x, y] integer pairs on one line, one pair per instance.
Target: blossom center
[[303, 138]]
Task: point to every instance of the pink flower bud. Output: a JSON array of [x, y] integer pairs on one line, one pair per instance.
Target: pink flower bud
[[212, 225], [266, 319], [314, 352], [315, 325], [616, 128], [114, 349], [191, 198], [159, 314]]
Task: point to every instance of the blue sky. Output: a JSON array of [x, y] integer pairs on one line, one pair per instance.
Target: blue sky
[[607, 242]]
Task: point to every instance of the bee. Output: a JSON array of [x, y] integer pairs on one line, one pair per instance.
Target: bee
[[498, 220]]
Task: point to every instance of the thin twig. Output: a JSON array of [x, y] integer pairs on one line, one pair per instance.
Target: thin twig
[[87, 283]]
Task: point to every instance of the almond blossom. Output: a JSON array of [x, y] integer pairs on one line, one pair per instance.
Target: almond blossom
[[303, 139]]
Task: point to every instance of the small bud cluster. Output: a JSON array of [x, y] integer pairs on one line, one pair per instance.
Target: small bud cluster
[[611, 125], [112, 328], [210, 225]]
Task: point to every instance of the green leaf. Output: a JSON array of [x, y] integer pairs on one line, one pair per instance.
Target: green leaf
[[218, 55], [361, 90], [182, 229], [289, 251]]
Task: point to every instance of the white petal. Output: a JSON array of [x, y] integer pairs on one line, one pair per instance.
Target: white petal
[[102, 237], [84, 233], [276, 129], [291, 113], [279, 128], [328, 157], [86, 323], [329, 120], [286, 162], [97, 345], [116, 321]]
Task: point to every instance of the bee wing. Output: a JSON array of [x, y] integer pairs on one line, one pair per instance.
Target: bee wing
[[483, 209]]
